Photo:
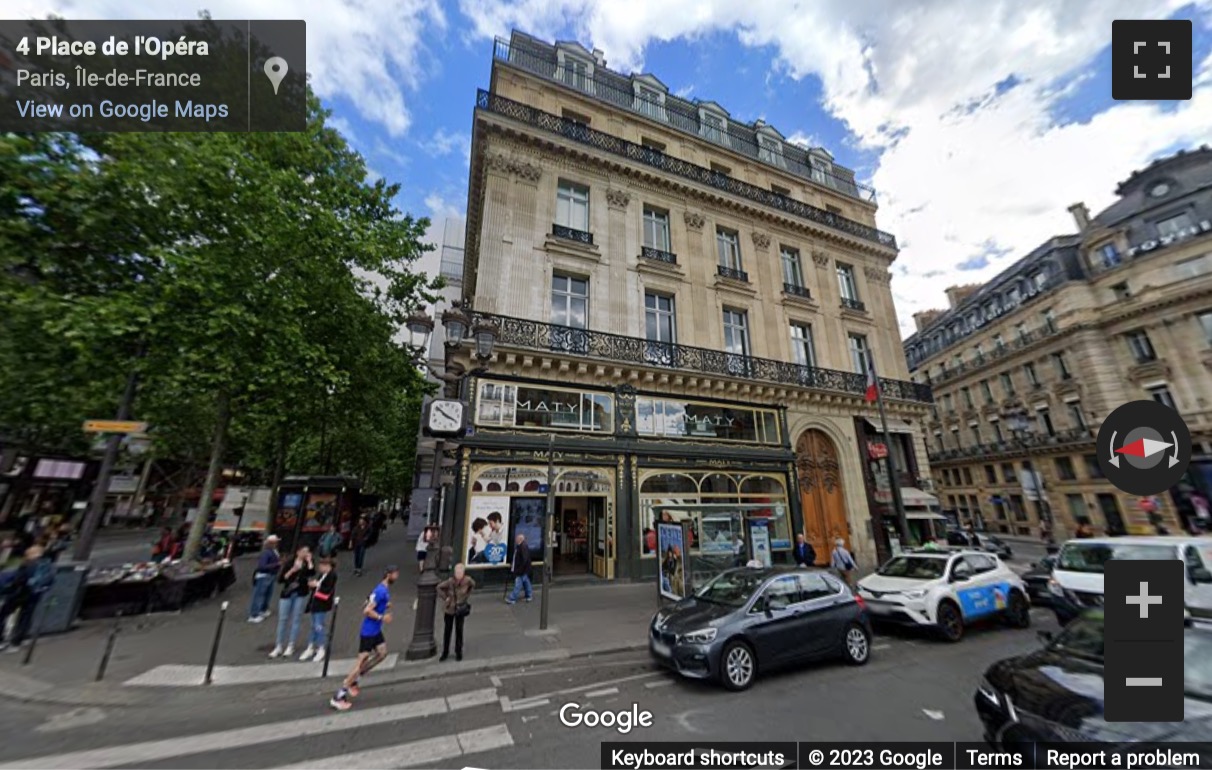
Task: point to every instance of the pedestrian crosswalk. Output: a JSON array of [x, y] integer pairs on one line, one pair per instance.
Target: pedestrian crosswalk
[[429, 716]]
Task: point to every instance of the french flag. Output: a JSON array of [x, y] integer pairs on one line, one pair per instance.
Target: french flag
[[873, 386]]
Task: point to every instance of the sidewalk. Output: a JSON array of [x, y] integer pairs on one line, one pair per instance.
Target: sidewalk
[[172, 649]]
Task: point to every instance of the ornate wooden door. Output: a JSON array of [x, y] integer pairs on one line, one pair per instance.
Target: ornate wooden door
[[821, 495]]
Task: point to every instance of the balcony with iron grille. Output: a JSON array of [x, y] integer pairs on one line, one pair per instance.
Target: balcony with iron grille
[[524, 334], [795, 290], [648, 252], [732, 273], [849, 303], [571, 234], [578, 132]]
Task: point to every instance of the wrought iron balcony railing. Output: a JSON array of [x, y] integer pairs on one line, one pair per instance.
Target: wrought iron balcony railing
[[540, 58], [1018, 444], [796, 290], [536, 335], [733, 273], [579, 132], [853, 304], [571, 234], [647, 252]]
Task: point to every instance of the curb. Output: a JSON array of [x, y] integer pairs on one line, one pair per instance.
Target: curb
[[26, 690]]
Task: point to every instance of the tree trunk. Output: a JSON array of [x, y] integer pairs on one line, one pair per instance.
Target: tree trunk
[[279, 472], [217, 445]]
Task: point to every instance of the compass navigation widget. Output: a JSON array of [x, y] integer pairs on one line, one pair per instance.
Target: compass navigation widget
[[1144, 448]]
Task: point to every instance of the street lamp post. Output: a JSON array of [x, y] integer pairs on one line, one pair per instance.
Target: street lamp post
[[1020, 426], [456, 324]]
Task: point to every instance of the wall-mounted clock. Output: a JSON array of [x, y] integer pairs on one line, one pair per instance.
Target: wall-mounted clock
[[446, 417]]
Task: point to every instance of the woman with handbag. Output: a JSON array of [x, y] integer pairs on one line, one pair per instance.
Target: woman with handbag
[[323, 589], [455, 593]]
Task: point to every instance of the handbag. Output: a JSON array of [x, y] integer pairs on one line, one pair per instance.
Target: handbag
[[462, 609]]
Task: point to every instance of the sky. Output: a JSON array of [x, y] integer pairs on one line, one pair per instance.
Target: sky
[[977, 121]]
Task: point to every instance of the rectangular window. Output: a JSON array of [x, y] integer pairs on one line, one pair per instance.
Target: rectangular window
[[771, 151], [1093, 469], [987, 391], [1048, 320], [675, 418], [997, 431], [802, 349], [793, 271], [1141, 346], [858, 352], [990, 474], [938, 440], [659, 321], [576, 74], [1016, 505], [1077, 508], [1205, 323], [1110, 255], [575, 117], [1061, 366], [1007, 384], [1196, 267], [978, 354], [1009, 474], [1174, 226], [728, 248], [976, 435], [1076, 416], [968, 474], [572, 206], [570, 301], [947, 403], [1021, 330], [846, 283], [652, 144], [1044, 417], [713, 127], [966, 392], [650, 102], [1032, 376], [656, 229], [736, 332], [1161, 394], [1064, 469], [543, 408], [955, 435]]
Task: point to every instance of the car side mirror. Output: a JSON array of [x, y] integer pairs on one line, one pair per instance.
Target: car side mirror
[[1199, 574], [959, 578], [1045, 636]]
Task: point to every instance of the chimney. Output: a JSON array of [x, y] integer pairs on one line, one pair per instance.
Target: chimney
[[599, 56], [924, 318], [1081, 215], [957, 294]]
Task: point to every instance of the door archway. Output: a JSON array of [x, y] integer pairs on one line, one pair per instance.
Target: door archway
[[822, 498]]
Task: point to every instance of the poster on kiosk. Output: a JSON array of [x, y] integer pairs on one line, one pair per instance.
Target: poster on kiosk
[[672, 574], [759, 539]]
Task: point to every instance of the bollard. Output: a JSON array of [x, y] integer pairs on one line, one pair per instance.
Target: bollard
[[35, 630], [109, 648], [332, 629], [214, 648]]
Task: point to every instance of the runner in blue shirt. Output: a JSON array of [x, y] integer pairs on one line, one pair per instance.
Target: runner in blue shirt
[[372, 647]]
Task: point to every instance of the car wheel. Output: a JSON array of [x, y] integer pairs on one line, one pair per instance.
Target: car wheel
[[856, 645], [1018, 611], [950, 622], [737, 666]]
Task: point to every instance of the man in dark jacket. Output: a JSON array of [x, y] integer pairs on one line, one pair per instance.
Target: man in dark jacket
[[805, 554], [268, 565], [32, 580], [520, 568]]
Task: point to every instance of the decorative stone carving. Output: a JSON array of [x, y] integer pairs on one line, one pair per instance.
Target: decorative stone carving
[[695, 221], [514, 167], [528, 171], [876, 275], [761, 240], [618, 198], [820, 259], [501, 163]]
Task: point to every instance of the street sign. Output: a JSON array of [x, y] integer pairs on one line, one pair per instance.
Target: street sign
[[114, 426], [543, 489]]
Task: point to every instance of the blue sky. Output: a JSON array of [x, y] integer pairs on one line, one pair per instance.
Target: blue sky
[[977, 123]]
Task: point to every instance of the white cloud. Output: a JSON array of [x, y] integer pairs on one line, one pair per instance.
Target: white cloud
[[367, 51], [804, 139], [685, 91], [445, 142], [440, 208], [953, 183]]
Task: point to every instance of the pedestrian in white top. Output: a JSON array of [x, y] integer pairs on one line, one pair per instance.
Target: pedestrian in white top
[[842, 562], [422, 548]]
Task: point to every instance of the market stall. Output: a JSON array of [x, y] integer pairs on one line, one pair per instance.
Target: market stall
[[134, 589]]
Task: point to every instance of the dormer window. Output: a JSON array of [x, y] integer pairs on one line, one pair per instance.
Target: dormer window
[[574, 70], [821, 164], [713, 125], [770, 150], [649, 98]]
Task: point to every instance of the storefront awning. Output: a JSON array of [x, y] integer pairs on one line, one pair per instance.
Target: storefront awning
[[925, 515], [894, 425], [913, 497]]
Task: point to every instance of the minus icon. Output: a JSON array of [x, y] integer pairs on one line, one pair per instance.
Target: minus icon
[[1143, 681]]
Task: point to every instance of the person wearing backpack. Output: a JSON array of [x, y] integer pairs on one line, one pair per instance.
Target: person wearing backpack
[[323, 592], [31, 582], [842, 562]]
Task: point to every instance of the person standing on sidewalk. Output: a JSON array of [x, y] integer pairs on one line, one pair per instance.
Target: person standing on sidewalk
[[455, 593], [330, 543], [805, 554], [323, 590], [372, 646], [295, 579], [32, 580], [520, 568], [422, 549], [361, 541], [842, 562], [268, 565]]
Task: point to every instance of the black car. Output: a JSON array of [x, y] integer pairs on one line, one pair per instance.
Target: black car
[[749, 621], [1056, 693], [996, 546], [1037, 579], [989, 543]]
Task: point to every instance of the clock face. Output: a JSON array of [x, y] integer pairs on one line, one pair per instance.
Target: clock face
[[446, 416], [1159, 190]]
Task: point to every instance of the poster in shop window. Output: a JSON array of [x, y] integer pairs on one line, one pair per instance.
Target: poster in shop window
[[671, 564], [759, 538]]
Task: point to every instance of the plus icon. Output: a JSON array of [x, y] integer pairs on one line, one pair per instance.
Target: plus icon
[[1144, 600], [1151, 60]]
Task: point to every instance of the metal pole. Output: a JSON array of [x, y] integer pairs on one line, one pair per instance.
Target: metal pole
[[109, 647], [548, 533], [332, 630], [231, 546], [214, 648], [35, 630], [423, 644], [96, 501], [893, 481]]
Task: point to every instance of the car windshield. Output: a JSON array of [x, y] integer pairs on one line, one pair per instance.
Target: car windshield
[[914, 567], [1092, 557], [733, 588]]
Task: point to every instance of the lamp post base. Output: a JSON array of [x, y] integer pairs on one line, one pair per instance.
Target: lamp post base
[[423, 644]]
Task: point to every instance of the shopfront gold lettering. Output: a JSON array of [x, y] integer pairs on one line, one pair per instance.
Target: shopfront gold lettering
[[542, 406]]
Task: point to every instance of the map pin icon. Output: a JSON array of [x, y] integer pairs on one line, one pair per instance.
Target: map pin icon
[[275, 70]]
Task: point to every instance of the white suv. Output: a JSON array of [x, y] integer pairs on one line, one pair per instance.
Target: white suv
[[945, 590]]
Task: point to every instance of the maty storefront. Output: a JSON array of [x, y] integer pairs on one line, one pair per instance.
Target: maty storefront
[[618, 454]]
